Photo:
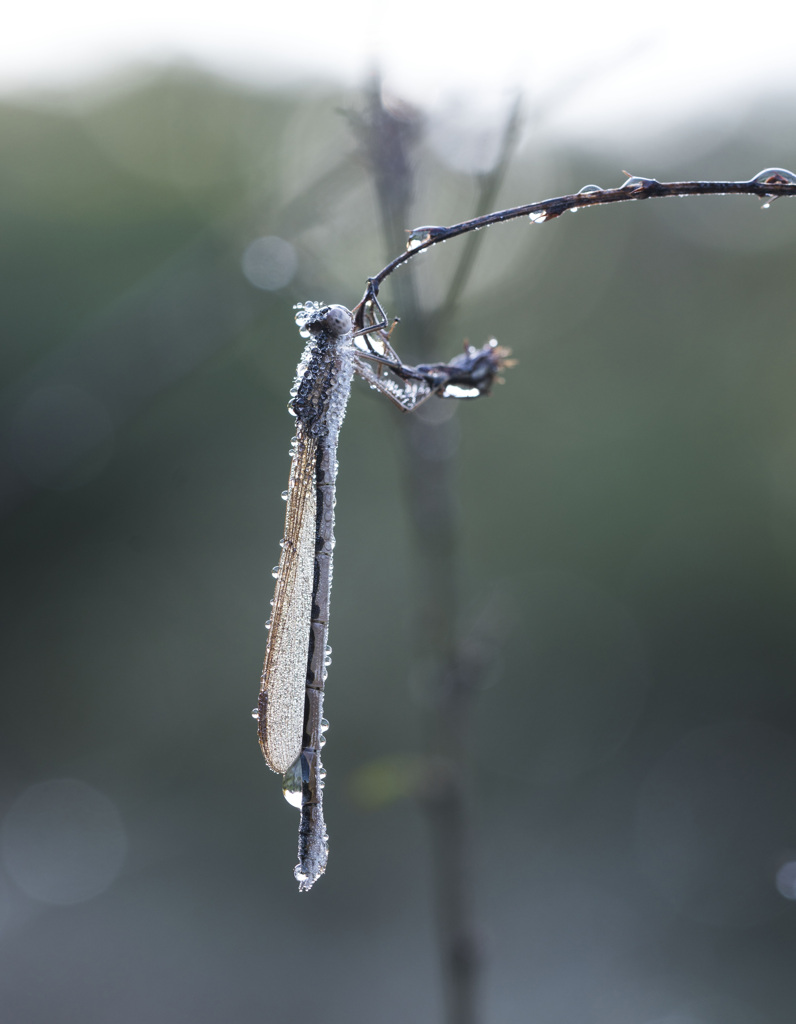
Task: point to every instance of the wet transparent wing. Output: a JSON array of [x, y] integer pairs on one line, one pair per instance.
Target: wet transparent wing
[[281, 703]]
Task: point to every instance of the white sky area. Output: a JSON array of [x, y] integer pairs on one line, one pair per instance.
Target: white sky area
[[642, 66]]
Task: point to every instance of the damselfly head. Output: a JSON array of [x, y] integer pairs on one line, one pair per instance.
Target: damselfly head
[[312, 317], [338, 320]]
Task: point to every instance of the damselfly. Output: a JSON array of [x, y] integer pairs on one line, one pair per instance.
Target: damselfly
[[289, 712]]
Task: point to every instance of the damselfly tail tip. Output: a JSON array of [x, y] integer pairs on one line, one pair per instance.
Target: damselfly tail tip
[[308, 872]]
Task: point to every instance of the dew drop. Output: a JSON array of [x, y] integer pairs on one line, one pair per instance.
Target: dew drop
[[538, 217], [420, 236], [284, 495], [775, 176], [586, 190], [324, 725], [268, 623], [291, 784], [634, 183], [256, 714], [457, 391], [275, 572], [304, 310]]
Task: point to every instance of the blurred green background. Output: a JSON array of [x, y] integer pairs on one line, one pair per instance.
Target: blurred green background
[[627, 514]]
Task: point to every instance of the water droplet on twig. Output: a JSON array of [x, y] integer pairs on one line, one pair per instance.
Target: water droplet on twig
[[584, 192], [775, 176], [636, 184], [420, 236]]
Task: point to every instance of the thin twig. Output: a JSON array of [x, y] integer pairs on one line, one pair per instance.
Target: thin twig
[[769, 184]]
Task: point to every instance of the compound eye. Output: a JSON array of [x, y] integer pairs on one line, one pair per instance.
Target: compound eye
[[339, 320]]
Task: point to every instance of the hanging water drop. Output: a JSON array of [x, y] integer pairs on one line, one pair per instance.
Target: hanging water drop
[[420, 236], [284, 495], [538, 217], [256, 714], [275, 572], [324, 725], [457, 391], [291, 784]]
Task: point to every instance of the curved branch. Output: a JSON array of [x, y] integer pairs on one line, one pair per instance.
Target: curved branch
[[770, 184]]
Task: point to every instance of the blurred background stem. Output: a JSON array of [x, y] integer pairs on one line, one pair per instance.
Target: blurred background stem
[[388, 137]]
